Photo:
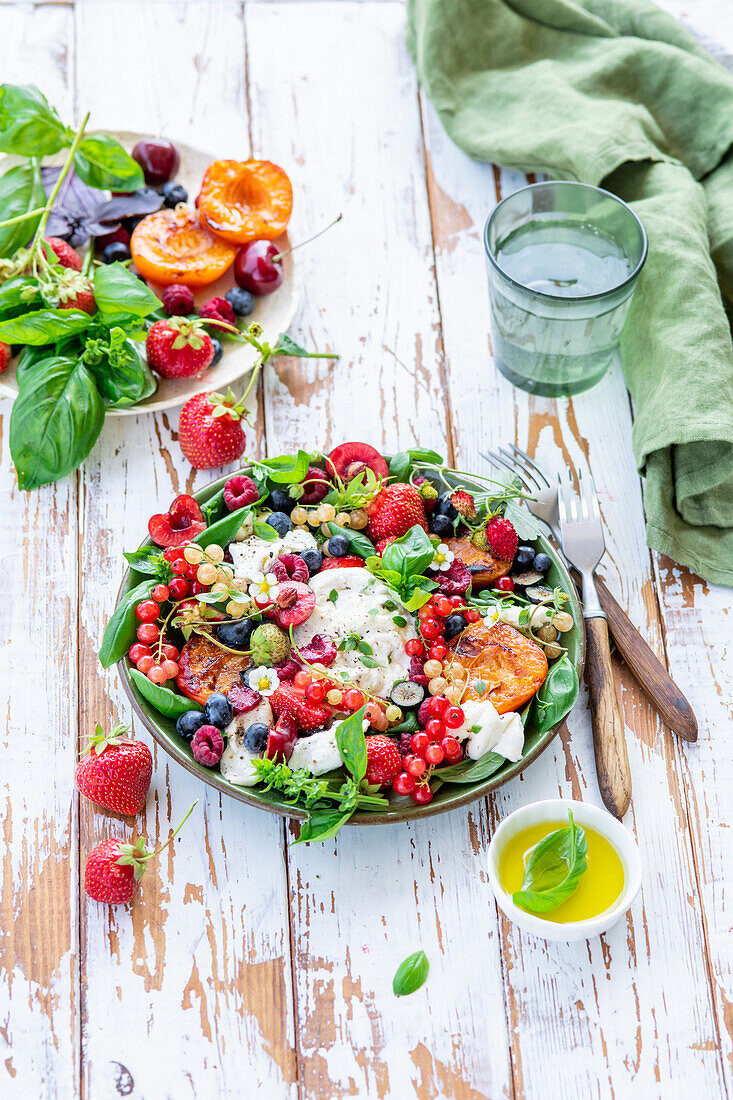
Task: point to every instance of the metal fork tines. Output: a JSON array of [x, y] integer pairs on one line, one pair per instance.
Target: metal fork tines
[[581, 533], [542, 499]]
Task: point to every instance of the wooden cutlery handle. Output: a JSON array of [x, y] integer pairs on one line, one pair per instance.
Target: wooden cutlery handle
[[609, 738], [652, 676]]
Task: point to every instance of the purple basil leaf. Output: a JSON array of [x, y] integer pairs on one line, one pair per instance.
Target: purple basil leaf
[[81, 212], [144, 201]]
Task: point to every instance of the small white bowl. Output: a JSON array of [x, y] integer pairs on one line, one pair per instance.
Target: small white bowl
[[556, 809]]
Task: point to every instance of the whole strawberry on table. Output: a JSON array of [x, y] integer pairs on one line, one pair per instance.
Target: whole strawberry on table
[[341, 631]]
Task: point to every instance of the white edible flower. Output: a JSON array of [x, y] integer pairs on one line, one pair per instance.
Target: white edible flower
[[264, 584], [263, 679], [443, 558]]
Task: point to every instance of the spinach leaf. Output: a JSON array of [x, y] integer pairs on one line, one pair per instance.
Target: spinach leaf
[[44, 326], [553, 869], [119, 293], [101, 162], [119, 633], [224, 530], [471, 771], [29, 126], [409, 555], [359, 543], [55, 421], [351, 744], [21, 190], [557, 695], [162, 698], [411, 974]]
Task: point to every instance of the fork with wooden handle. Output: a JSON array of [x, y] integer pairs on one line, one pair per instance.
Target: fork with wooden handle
[[581, 536]]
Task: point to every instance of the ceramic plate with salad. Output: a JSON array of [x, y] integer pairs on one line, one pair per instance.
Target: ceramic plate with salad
[[349, 637], [131, 269]]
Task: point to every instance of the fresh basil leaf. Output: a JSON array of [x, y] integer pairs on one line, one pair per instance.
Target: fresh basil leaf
[[286, 346], [411, 974], [27, 361], [400, 466], [162, 698], [399, 621], [370, 662], [223, 531], [351, 744], [55, 421], [17, 294], [118, 292], [44, 326], [285, 469], [420, 596], [29, 126], [21, 190], [407, 725], [359, 543], [472, 771], [265, 531], [119, 633], [557, 695], [409, 555], [553, 869], [101, 162], [149, 559], [321, 824], [119, 369], [333, 595]]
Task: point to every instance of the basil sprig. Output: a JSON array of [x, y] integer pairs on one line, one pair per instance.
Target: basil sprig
[[553, 869], [411, 974], [401, 464], [402, 568], [557, 695]]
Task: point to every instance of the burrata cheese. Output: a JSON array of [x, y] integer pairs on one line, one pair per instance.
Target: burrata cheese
[[255, 555]]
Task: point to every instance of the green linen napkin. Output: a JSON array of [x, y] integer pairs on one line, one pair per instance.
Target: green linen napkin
[[615, 92]]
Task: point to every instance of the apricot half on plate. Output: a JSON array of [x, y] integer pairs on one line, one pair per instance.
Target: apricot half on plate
[[245, 200], [485, 567], [512, 666], [172, 246], [204, 668]]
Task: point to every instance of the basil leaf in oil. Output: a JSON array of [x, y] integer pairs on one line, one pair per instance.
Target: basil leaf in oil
[[553, 869]]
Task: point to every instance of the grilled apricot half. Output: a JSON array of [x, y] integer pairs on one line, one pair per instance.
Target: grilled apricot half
[[203, 668], [172, 246], [485, 567], [512, 667], [245, 200]]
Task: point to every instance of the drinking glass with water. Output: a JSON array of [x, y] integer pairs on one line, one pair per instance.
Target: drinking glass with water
[[563, 261]]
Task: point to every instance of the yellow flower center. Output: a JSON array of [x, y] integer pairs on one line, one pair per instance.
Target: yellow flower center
[[263, 683]]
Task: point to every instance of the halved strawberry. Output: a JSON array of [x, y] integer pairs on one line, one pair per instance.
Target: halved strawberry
[[183, 521], [351, 459], [288, 700], [351, 561]]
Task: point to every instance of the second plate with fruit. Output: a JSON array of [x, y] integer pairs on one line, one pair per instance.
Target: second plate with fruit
[[349, 636]]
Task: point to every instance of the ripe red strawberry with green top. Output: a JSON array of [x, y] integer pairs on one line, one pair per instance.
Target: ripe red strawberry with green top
[[288, 700], [464, 504], [211, 431], [502, 538], [178, 348], [384, 543], [115, 771], [384, 762], [6, 355], [394, 511], [75, 292], [64, 253]]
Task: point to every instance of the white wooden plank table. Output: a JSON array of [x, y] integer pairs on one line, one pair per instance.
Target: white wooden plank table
[[247, 967]]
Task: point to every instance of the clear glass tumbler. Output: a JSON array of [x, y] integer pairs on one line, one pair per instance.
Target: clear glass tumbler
[[563, 260]]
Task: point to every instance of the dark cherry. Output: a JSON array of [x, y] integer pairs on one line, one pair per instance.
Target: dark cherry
[[158, 159], [256, 268]]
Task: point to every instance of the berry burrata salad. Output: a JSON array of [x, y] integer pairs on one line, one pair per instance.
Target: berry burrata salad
[[345, 632]]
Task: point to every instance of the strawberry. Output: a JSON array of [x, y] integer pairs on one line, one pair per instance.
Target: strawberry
[[351, 561], [210, 430], [395, 510], [115, 771], [64, 253], [178, 348], [502, 538], [5, 356], [427, 491], [384, 543], [75, 292], [384, 762], [464, 504], [287, 700]]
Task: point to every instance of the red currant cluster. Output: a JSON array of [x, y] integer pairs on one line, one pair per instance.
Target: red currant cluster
[[151, 654], [321, 689], [432, 746]]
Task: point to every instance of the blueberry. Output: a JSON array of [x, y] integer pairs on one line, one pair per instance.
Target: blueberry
[[218, 710], [114, 251], [236, 634], [241, 301], [281, 501], [454, 624], [281, 522], [189, 722], [338, 546], [441, 525], [218, 351], [313, 559], [173, 193], [443, 507], [541, 563], [524, 556], [255, 737]]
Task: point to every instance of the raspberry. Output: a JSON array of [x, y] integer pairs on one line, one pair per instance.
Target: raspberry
[[384, 762], [218, 309], [417, 675], [290, 567], [178, 301], [207, 746], [424, 713], [502, 538], [307, 716], [456, 580], [239, 491], [405, 739], [286, 670]]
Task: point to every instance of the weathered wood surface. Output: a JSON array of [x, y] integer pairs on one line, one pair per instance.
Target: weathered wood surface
[[248, 967]]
